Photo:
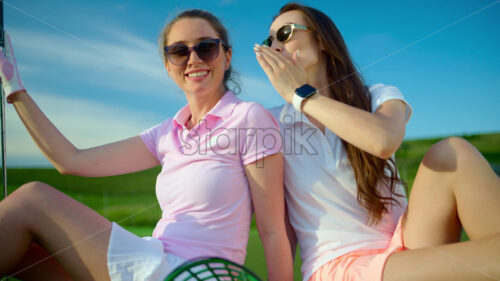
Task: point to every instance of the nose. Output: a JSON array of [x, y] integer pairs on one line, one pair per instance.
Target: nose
[[276, 45], [193, 58]]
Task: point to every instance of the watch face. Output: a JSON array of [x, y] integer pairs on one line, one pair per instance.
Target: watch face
[[305, 91]]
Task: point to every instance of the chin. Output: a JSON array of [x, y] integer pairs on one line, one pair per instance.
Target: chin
[[201, 91]]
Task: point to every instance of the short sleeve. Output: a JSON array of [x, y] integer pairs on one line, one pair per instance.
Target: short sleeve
[[260, 136], [150, 139], [381, 93]]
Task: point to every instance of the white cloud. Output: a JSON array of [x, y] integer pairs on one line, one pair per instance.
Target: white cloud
[[84, 123], [121, 62]]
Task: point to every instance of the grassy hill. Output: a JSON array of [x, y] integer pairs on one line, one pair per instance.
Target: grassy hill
[[130, 199]]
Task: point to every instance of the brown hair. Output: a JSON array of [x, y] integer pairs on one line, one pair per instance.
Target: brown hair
[[219, 29], [346, 85]]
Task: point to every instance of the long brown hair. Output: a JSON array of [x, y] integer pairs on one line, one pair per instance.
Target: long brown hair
[[346, 85], [219, 29]]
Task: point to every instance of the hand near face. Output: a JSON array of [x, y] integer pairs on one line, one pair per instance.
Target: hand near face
[[285, 73]]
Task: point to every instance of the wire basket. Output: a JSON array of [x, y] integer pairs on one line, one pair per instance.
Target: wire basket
[[211, 269]]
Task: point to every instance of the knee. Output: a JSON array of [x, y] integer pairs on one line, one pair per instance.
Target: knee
[[444, 155], [461, 146], [30, 191], [18, 204]]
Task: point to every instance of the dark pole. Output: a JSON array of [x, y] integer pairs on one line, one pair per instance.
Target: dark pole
[[2, 110]]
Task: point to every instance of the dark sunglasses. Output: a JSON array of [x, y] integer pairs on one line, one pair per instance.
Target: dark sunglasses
[[284, 33], [207, 50]]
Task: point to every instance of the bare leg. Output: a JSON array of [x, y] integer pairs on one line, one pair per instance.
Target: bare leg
[[455, 187], [76, 235], [37, 262], [464, 261]]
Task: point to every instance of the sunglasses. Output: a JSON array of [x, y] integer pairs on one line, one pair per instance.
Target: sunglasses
[[207, 50], [284, 33]]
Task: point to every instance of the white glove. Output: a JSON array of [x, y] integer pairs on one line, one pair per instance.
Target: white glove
[[11, 82]]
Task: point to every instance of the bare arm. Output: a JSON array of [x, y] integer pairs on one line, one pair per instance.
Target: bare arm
[[266, 184], [379, 133], [290, 232], [111, 159]]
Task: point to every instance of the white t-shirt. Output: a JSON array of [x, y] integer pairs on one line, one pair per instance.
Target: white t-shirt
[[321, 191]]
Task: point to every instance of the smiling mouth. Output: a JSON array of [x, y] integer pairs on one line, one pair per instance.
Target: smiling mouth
[[197, 74]]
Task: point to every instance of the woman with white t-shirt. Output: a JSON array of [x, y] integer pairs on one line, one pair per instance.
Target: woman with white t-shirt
[[212, 154], [344, 197]]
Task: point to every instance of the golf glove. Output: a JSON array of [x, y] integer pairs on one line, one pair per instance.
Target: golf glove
[[11, 82]]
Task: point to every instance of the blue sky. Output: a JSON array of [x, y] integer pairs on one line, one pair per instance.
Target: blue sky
[[95, 70]]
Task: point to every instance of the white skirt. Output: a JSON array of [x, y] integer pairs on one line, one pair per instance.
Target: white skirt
[[131, 258]]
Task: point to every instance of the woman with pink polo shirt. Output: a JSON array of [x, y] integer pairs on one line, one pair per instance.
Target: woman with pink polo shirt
[[345, 202], [212, 152]]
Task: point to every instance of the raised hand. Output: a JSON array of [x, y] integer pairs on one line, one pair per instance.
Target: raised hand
[[285, 73], [11, 82]]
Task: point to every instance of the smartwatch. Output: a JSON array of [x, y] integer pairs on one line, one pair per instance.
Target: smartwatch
[[301, 93]]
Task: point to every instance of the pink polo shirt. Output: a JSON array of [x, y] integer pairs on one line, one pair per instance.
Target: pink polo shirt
[[202, 188]]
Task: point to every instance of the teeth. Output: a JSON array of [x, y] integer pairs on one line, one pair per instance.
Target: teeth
[[197, 74]]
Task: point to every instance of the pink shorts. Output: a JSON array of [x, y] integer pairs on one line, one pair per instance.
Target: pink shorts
[[361, 265]]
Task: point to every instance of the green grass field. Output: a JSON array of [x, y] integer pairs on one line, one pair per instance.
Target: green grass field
[[130, 199]]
